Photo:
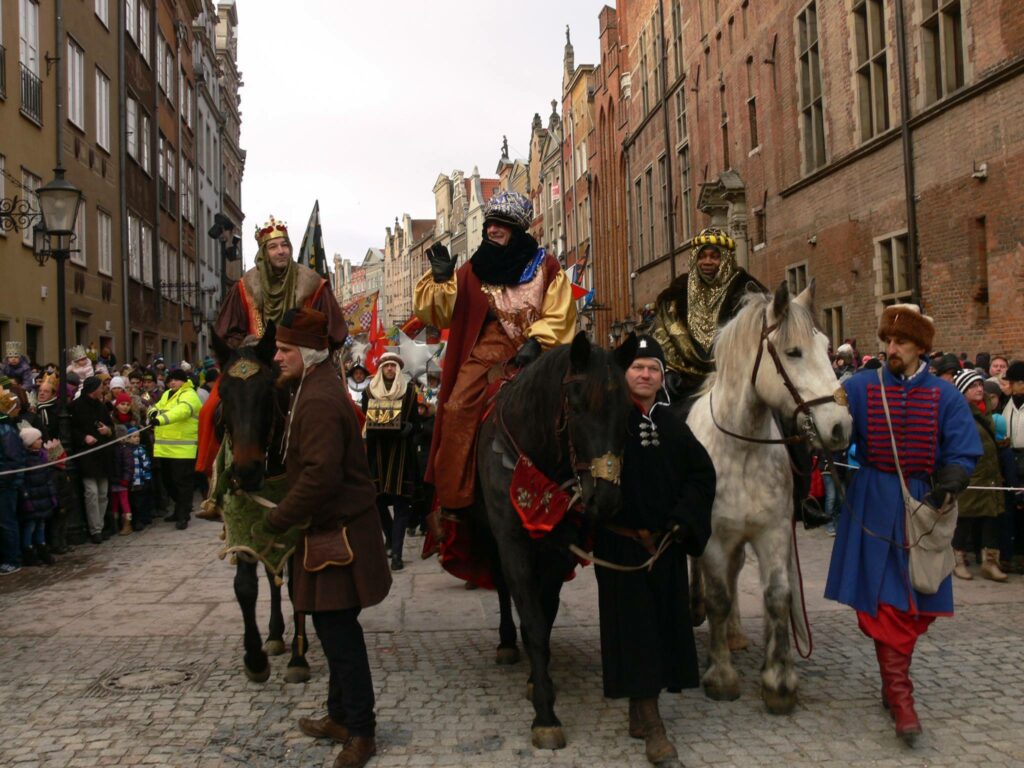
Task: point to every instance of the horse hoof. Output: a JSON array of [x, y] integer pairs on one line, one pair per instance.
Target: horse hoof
[[738, 642], [257, 677], [549, 737], [779, 702], [727, 690], [506, 655], [273, 647], [296, 674]]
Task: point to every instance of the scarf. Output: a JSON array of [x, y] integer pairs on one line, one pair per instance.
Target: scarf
[[380, 390], [277, 288], [704, 296], [495, 264]]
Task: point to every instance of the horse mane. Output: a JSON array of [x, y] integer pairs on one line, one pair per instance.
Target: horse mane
[[733, 358]]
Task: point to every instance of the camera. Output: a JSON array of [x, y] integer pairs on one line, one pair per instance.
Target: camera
[[223, 229]]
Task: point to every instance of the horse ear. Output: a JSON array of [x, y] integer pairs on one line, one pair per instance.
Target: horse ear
[[579, 352], [780, 304], [806, 297], [625, 353], [221, 350], [267, 347]]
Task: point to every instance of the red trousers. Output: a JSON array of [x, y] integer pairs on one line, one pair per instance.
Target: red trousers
[[895, 628]]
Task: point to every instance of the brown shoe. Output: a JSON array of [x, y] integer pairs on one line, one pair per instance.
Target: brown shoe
[[990, 566], [659, 748], [357, 752], [323, 728]]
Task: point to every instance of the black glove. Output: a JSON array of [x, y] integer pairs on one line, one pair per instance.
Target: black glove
[[947, 481], [527, 353], [442, 265], [406, 429], [153, 419]]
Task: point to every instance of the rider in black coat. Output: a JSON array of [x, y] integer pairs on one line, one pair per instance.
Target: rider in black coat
[[668, 486]]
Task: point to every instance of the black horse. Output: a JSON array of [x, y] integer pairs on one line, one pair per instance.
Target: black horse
[[251, 417], [566, 412]]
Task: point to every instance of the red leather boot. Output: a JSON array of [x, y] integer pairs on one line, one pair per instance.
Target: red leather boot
[[898, 691]]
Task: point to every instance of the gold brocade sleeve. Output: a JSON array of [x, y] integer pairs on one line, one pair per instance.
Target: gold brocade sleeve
[[433, 302], [557, 323]]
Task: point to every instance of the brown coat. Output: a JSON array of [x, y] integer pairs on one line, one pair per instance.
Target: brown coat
[[329, 485]]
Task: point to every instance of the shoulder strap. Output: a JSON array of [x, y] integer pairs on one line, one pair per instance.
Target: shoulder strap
[[892, 436]]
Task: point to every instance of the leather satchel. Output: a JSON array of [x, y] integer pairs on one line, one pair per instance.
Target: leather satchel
[[327, 548], [929, 531]]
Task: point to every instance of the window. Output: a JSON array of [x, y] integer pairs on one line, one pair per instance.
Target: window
[[102, 110], [143, 38], [104, 243], [726, 162], [76, 84], [78, 252], [942, 48], [644, 98], [131, 18], [663, 180], [144, 151], [677, 37], [872, 67], [161, 55], [639, 222], [755, 142], [649, 180], [892, 269], [832, 320], [132, 128], [685, 223], [146, 253], [680, 115], [760, 227], [796, 276], [28, 36], [29, 184], [134, 270], [656, 54], [165, 275], [103, 12], [812, 116]]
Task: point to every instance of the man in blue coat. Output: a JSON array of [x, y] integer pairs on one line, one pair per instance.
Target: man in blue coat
[[938, 447]]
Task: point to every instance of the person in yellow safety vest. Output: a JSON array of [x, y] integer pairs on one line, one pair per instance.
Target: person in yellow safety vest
[[176, 420]]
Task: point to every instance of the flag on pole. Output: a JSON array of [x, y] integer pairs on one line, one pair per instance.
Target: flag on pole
[[361, 313], [578, 291], [312, 254]]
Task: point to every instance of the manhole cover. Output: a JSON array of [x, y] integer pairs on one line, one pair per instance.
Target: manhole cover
[[148, 679]]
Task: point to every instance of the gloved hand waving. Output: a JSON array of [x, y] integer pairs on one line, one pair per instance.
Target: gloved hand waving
[[442, 265]]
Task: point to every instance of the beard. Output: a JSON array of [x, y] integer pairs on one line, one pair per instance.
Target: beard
[[896, 366], [284, 380]]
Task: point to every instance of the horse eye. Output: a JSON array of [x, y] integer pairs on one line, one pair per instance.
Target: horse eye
[[796, 352]]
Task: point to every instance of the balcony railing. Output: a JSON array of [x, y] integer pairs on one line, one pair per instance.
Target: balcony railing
[[3, 72], [31, 95]]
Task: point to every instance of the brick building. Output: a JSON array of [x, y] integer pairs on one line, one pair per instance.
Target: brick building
[[836, 143]]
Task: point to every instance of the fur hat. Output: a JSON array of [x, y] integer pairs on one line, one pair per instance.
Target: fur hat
[[303, 327], [906, 321], [12, 349], [29, 435], [509, 208], [635, 347], [1015, 371], [391, 357], [966, 378]]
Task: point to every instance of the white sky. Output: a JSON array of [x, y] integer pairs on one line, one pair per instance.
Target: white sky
[[362, 104]]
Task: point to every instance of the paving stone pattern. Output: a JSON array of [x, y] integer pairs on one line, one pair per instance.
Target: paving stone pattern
[[129, 654]]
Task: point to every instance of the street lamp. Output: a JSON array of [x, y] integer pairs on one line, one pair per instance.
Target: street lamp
[[616, 331], [628, 325]]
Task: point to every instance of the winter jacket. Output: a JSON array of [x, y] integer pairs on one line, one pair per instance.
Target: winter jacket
[[39, 492], [12, 455], [124, 467], [21, 373], [177, 431], [86, 414], [986, 473]]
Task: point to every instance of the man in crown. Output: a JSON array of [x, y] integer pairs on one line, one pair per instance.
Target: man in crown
[[691, 310], [509, 302]]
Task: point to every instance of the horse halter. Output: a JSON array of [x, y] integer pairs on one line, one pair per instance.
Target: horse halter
[[802, 406], [607, 466]]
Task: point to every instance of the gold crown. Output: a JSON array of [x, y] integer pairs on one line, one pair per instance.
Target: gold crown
[[273, 228]]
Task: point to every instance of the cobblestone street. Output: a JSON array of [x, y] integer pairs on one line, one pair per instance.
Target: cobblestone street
[[161, 600]]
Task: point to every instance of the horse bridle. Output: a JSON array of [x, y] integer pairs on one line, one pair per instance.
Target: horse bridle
[[802, 406]]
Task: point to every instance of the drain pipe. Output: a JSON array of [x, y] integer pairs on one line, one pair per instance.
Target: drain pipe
[[178, 34], [908, 153], [668, 145], [122, 107]]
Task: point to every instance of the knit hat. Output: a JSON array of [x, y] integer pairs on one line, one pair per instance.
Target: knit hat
[[29, 435], [303, 327], [177, 374], [907, 322], [185, 366], [391, 357], [90, 385], [635, 347], [966, 378], [122, 397], [509, 208], [945, 364], [118, 382], [845, 351], [1015, 371]]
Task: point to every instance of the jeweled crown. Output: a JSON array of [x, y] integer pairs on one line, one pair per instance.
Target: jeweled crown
[[273, 228]]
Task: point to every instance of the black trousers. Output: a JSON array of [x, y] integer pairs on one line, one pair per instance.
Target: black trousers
[[975, 533], [394, 527], [350, 697], [178, 478]]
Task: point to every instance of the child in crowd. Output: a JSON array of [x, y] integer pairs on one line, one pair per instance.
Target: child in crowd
[[142, 481], [12, 457], [121, 482], [122, 413], [38, 500]]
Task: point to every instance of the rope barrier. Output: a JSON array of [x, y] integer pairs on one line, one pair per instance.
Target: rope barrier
[[73, 456], [969, 487]]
